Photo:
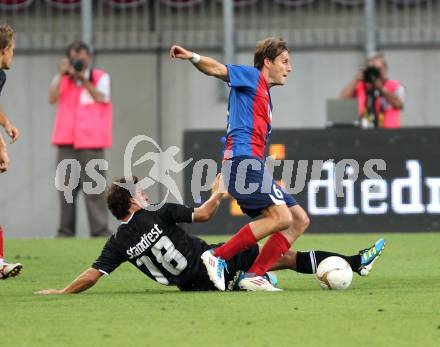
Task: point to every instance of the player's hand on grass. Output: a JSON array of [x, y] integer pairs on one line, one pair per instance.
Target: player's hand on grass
[[48, 292], [12, 131], [180, 53], [4, 160]]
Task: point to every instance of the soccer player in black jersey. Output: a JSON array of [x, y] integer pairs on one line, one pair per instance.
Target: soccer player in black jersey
[[156, 245], [7, 46]]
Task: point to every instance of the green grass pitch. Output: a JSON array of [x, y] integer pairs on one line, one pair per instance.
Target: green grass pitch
[[397, 305]]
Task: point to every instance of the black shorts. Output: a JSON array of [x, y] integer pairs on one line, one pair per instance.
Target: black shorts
[[240, 262]]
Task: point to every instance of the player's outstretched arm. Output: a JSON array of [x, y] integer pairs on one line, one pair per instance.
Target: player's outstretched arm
[[207, 65], [209, 208], [83, 282]]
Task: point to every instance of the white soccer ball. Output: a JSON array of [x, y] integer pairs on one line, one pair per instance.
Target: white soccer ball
[[334, 273]]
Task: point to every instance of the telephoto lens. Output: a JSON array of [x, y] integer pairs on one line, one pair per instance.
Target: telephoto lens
[[77, 65], [371, 73]]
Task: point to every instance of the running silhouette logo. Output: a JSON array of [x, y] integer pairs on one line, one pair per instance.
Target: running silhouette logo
[[163, 164]]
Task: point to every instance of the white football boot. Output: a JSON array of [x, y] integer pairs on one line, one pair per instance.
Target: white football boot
[[9, 270], [216, 269], [257, 284]]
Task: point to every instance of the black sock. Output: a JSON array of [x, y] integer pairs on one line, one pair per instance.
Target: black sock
[[307, 262]]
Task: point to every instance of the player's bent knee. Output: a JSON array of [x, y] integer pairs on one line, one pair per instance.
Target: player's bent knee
[[281, 222], [301, 220], [299, 226], [280, 216], [305, 222], [284, 222], [302, 224]]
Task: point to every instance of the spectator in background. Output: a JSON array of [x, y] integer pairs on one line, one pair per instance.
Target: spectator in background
[[380, 100], [82, 130]]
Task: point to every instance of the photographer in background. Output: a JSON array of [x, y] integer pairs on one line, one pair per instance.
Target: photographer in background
[[380, 100], [83, 129]]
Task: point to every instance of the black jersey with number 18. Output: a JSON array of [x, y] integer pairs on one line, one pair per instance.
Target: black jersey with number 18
[[156, 245]]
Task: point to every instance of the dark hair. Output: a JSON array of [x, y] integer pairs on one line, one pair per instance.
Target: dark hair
[[269, 48], [77, 46], [118, 198], [6, 36]]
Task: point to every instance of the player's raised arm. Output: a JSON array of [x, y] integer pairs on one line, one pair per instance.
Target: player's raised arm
[[83, 282], [209, 208], [207, 65]]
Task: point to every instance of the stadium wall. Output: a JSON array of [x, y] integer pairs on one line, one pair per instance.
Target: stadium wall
[[188, 100]]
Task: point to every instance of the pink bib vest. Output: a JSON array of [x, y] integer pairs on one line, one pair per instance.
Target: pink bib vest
[[391, 116], [80, 121]]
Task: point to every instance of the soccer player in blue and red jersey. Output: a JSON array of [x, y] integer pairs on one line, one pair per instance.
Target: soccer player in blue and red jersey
[[249, 125]]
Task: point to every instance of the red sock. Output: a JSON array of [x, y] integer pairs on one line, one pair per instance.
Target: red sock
[[272, 251], [1, 242], [239, 242]]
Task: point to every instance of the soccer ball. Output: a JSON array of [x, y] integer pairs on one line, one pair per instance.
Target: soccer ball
[[334, 273]]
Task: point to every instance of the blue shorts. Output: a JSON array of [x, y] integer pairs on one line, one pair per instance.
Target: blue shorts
[[252, 186]]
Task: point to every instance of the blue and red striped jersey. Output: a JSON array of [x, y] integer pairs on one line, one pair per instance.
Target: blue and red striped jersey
[[249, 112]]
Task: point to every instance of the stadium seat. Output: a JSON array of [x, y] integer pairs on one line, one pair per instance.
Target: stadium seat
[[294, 3], [123, 4], [407, 2], [348, 2], [241, 3], [64, 4], [181, 3], [14, 4]]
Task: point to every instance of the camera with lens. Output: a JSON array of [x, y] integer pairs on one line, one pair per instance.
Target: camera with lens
[[371, 73], [77, 64]]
